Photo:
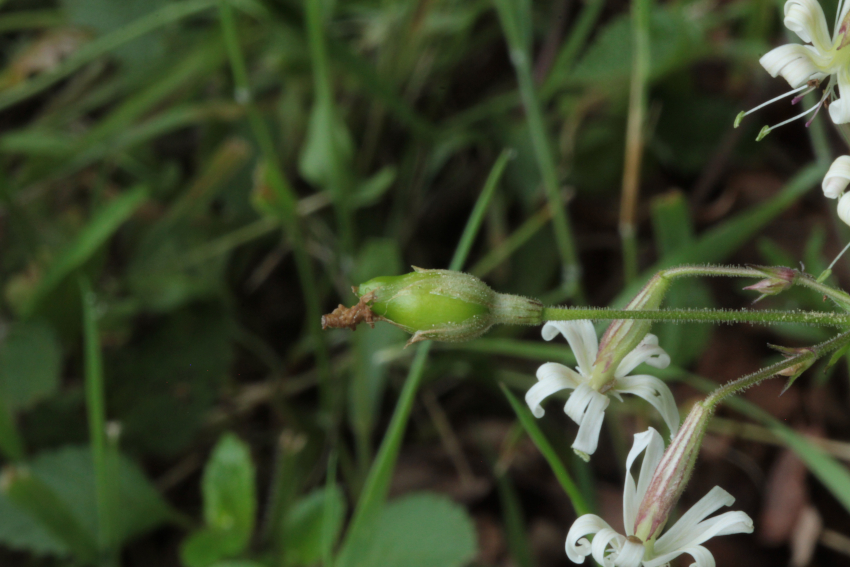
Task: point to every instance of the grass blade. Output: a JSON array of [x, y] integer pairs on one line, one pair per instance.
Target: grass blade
[[97, 231], [564, 479], [96, 411]]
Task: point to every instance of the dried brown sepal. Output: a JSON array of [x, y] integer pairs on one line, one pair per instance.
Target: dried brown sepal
[[349, 317]]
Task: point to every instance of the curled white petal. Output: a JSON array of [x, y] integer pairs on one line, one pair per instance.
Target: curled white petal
[[651, 442], [693, 528], [844, 208], [703, 557], [837, 178], [839, 110], [647, 351], [587, 407], [657, 393], [582, 338], [630, 554], [806, 19], [577, 546], [604, 539], [798, 64], [551, 377]]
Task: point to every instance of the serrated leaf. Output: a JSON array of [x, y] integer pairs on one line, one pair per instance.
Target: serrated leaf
[[30, 361], [304, 527], [69, 475], [419, 530]]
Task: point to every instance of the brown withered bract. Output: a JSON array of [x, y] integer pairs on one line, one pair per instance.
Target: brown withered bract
[[350, 317]]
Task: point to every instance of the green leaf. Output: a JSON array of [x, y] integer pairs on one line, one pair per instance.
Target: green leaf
[[37, 500], [304, 527], [230, 504], [419, 530], [676, 41], [30, 362], [228, 488], [328, 142], [68, 475]]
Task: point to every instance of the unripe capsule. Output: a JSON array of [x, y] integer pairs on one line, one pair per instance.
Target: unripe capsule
[[435, 304]]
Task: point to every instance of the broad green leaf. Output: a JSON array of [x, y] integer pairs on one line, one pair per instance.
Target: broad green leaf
[[30, 362], [230, 503], [32, 497], [304, 527], [419, 530], [676, 42], [69, 475]]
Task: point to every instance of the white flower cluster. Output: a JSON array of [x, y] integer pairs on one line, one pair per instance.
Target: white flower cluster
[[824, 60]]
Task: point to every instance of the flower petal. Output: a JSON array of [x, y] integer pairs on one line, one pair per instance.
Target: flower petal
[[630, 555], [844, 208], [693, 529], [577, 546], [837, 178], [552, 377], [647, 351], [586, 407], [651, 442], [703, 557], [601, 541], [654, 391], [582, 338], [806, 19], [797, 64], [839, 110]]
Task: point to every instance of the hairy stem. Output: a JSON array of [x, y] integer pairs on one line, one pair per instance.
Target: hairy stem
[[745, 382], [767, 317]]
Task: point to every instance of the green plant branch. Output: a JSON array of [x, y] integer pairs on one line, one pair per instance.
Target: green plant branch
[[698, 316], [804, 358]]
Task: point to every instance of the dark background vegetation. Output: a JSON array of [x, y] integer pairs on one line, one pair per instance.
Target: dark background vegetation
[[139, 195]]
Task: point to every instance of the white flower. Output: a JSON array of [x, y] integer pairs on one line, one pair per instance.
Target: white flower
[[612, 549], [805, 67], [837, 178], [586, 406], [835, 183]]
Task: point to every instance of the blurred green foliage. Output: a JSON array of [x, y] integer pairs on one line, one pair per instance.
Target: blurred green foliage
[[222, 171]]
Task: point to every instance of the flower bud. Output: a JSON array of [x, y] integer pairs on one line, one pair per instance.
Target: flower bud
[[623, 335], [777, 279], [807, 357], [671, 475], [435, 304]]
